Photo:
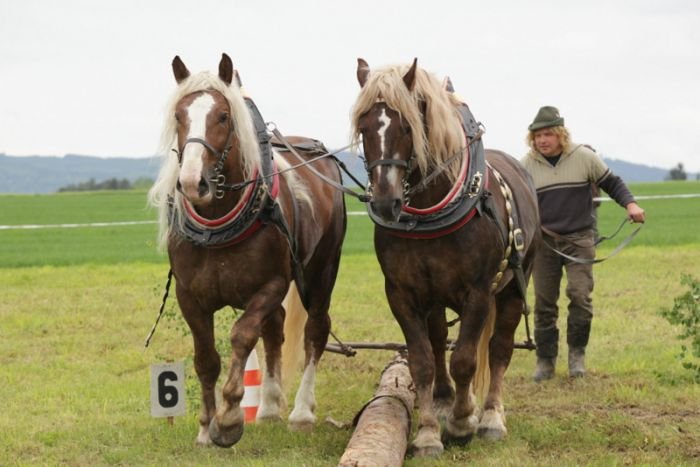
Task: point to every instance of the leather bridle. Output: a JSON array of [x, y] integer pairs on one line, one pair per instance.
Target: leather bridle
[[218, 178]]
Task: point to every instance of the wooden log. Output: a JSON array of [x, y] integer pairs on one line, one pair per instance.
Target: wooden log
[[383, 425]]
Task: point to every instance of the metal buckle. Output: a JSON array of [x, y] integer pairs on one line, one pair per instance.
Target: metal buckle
[[518, 239], [220, 180], [475, 185]]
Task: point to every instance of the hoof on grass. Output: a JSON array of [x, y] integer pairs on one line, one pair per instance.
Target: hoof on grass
[[227, 437], [491, 434]]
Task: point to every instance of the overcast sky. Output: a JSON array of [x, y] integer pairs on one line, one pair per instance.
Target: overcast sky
[[92, 77]]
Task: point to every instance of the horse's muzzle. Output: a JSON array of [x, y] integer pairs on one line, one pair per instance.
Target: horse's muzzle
[[196, 194], [388, 209]]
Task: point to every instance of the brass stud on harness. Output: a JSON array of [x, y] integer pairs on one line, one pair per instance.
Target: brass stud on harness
[[507, 195]]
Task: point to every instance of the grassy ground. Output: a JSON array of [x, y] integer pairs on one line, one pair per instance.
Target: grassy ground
[[75, 377]]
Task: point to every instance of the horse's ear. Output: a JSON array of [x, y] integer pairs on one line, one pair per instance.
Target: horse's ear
[[362, 71], [226, 69], [238, 78], [410, 77], [447, 85], [179, 69]]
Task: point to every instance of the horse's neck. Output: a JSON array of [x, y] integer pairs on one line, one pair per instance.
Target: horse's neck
[[430, 195]]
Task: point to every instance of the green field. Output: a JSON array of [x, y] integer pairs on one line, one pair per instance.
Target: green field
[[77, 303]]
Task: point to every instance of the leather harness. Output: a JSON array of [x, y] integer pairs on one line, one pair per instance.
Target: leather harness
[[473, 197], [258, 207]]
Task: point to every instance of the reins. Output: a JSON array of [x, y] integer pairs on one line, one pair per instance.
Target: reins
[[333, 183], [600, 240], [160, 312], [219, 178]]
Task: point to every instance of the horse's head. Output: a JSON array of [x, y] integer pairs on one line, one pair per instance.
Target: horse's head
[[409, 124], [388, 146], [205, 135]]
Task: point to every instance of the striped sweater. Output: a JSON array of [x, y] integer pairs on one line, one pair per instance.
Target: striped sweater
[[564, 190]]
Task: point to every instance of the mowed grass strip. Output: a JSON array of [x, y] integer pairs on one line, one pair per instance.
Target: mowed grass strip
[[75, 377], [669, 222]]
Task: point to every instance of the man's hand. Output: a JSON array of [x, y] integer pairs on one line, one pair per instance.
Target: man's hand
[[635, 213]]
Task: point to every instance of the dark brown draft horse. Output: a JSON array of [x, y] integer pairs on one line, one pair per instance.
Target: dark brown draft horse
[[240, 234], [454, 228]]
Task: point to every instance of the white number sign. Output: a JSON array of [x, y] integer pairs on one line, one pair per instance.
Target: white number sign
[[168, 389]]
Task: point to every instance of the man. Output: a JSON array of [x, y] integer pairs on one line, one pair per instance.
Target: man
[[563, 173]]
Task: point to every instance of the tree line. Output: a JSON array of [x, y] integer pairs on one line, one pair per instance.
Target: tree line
[[678, 173], [109, 184]]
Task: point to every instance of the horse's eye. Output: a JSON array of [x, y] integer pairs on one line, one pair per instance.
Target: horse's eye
[[177, 118], [223, 118]]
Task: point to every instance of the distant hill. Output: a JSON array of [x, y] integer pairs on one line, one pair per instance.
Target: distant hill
[[46, 174], [629, 171], [636, 172]]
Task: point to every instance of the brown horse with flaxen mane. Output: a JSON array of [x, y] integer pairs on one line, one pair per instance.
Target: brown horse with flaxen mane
[[240, 233], [456, 227]]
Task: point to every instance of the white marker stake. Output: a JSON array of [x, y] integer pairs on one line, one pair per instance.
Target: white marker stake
[[168, 389]]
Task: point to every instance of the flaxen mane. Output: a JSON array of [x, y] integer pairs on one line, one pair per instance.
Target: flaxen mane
[[445, 137], [248, 150], [245, 148]]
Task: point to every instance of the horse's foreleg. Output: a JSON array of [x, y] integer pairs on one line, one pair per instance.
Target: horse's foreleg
[[493, 421], [463, 421], [226, 428], [421, 363], [207, 363], [443, 393]]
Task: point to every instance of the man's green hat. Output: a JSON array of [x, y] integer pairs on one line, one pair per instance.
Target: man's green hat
[[546, 117]]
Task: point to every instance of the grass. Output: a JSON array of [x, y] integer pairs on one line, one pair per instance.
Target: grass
[[75, 377]]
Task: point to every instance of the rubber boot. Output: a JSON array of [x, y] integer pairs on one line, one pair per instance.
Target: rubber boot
[[544, 369], [577, 368]]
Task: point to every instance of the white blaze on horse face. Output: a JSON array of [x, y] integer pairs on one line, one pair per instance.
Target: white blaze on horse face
[[385, 122], [192, 164], [392, 175]]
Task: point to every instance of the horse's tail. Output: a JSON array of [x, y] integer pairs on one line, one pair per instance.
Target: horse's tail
[[482, 377], [293, 347]]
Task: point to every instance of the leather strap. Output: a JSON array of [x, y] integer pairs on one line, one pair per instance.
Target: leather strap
[[306, 163], [617, 249]]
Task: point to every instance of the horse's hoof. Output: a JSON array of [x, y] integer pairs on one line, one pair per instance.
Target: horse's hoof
[[268, 419], [491, 434], [493, 425], [433, 450], [227, 437], [304, 426], [427, 443]]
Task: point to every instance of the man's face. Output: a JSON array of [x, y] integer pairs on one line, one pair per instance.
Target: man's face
[[547, 142]]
